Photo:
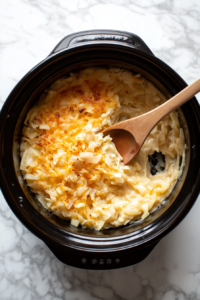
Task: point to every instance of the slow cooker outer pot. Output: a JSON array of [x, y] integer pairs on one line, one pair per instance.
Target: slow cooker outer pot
[[79, 247]]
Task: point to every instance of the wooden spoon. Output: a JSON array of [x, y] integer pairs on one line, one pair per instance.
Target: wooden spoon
[[129, 136]]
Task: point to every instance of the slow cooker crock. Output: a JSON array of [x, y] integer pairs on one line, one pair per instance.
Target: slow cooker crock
[[85, 248]]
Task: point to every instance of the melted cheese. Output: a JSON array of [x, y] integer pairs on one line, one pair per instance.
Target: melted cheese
[[75, 172]]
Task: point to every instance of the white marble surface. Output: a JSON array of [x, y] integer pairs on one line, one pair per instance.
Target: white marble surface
[[29, 31]]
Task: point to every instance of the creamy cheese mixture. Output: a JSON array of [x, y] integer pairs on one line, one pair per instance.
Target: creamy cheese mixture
[[75, 172]]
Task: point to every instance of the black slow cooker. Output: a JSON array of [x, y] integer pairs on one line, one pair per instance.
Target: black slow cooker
[[79, 247]]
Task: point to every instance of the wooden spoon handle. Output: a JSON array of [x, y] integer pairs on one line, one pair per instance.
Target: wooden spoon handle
[[186, 94], [142, 125]]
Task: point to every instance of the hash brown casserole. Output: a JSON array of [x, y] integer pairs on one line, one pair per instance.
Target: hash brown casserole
[[78, 174]]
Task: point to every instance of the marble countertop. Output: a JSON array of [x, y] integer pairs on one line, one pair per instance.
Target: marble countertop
[[29, 31]]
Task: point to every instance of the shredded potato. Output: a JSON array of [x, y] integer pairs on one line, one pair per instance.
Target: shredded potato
[[78, 174]]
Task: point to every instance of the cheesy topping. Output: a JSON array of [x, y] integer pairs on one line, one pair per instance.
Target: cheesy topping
[[76, 172]]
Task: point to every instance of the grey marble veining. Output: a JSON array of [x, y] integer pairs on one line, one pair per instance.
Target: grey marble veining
[[29, 31]]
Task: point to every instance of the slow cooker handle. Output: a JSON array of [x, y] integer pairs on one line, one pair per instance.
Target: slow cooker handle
[[111, 36]]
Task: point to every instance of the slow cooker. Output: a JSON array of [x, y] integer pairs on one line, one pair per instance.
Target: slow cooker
[[86, 248]]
